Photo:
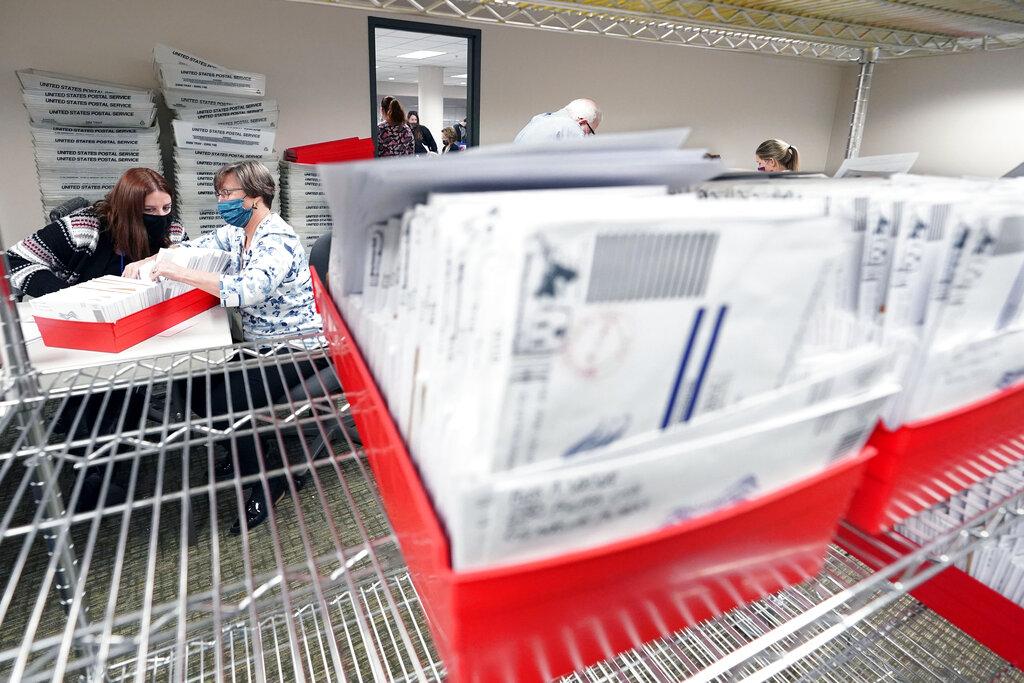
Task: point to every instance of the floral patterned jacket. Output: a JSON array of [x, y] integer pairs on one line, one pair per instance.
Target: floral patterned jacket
[[270, 283], [394, 140]]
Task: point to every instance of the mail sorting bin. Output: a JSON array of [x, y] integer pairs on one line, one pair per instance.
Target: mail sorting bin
[[924, 463], [538, 620]]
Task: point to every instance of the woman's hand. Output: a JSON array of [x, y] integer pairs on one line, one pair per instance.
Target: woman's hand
[[208, 282], [134, 269], [171, 271]]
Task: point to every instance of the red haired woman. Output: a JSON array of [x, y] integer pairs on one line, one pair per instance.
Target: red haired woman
[[131, 223]]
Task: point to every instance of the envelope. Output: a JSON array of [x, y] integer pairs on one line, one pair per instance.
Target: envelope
[[510, 519], [966, 372]]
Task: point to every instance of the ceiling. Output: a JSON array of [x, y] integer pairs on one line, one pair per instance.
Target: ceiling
[[845, 30], [390, 43], [926, 24]]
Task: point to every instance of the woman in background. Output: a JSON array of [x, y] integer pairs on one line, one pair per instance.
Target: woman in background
[[422, 137], [775, 156], [394, 137], [450, 139], [134, 221]]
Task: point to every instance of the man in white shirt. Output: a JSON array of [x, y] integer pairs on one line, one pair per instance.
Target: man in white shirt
[[577, 119]]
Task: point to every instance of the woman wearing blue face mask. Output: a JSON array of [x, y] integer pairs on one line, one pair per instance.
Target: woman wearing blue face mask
[[268, 275], [268, 280]]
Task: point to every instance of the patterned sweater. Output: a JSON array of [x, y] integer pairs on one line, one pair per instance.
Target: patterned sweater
[[270, 283], [394, 140], [73, 249]]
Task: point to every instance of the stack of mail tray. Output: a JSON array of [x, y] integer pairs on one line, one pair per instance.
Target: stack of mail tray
[[219, 116]]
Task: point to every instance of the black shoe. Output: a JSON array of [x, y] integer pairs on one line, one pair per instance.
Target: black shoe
[[256, 508], [116, 494], [89, 495]]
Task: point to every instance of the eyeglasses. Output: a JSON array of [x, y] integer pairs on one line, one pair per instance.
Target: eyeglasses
[[225, 192]]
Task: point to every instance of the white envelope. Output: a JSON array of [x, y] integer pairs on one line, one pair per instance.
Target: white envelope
[[967, 372], [516, 519]]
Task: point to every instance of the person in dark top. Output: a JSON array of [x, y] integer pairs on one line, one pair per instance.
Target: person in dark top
[[422, 138], [462, 132], [131, 223], [394, 137]]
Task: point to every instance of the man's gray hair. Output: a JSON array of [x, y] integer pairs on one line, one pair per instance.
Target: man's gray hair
[[253, 178]]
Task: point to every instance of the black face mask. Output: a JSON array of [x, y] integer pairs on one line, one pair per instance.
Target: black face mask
[[156, 230], [157, 225]]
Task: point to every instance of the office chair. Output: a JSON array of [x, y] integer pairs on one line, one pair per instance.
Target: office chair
[[326, 382]]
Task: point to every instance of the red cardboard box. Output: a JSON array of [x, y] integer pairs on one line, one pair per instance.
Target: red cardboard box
[[347, 149], [536, 621], [129, 330]]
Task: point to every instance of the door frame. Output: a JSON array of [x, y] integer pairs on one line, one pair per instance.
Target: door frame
[[472, 83]]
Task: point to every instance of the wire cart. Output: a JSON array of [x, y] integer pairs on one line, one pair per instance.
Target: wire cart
[[155, 589]]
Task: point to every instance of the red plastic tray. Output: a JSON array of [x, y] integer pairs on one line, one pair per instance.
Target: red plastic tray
[[347, 149], [976, 609], [539, 620], [926, 462], [129, 330]]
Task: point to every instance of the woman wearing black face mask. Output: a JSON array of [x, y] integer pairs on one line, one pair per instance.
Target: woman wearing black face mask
[[132, 222]]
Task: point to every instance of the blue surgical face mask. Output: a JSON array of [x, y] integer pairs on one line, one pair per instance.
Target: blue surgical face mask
[[234, 213]]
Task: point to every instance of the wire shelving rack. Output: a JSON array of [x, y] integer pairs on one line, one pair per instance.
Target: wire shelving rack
[[154, 588]]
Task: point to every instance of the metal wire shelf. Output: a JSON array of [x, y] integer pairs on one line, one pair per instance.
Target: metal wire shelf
[[814, 30], [153, 588]]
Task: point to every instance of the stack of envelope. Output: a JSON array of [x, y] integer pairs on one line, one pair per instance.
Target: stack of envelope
[[303, 204], [939, 279], [219, 116], [195, 258], [110, 298], [103, 299], [573, 367], [86, 133]]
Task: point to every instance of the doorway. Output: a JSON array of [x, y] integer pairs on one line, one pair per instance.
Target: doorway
[[434, 71]]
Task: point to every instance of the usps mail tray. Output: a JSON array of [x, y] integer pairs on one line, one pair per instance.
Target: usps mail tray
[[924, 463], [536, 621], [128, 331]]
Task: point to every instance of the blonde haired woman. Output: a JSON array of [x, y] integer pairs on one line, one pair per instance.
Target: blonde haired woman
[[268, 280], [775, 156], [450, 140]]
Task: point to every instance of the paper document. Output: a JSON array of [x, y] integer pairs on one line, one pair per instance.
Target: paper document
[[104, 299], [880, 165]]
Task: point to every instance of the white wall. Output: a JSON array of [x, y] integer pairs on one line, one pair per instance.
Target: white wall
[[964, 113], [315, 59], [732, 101]]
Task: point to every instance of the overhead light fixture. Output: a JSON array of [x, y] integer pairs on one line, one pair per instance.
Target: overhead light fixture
[[461, 76], [421, 54], [391, 78]]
